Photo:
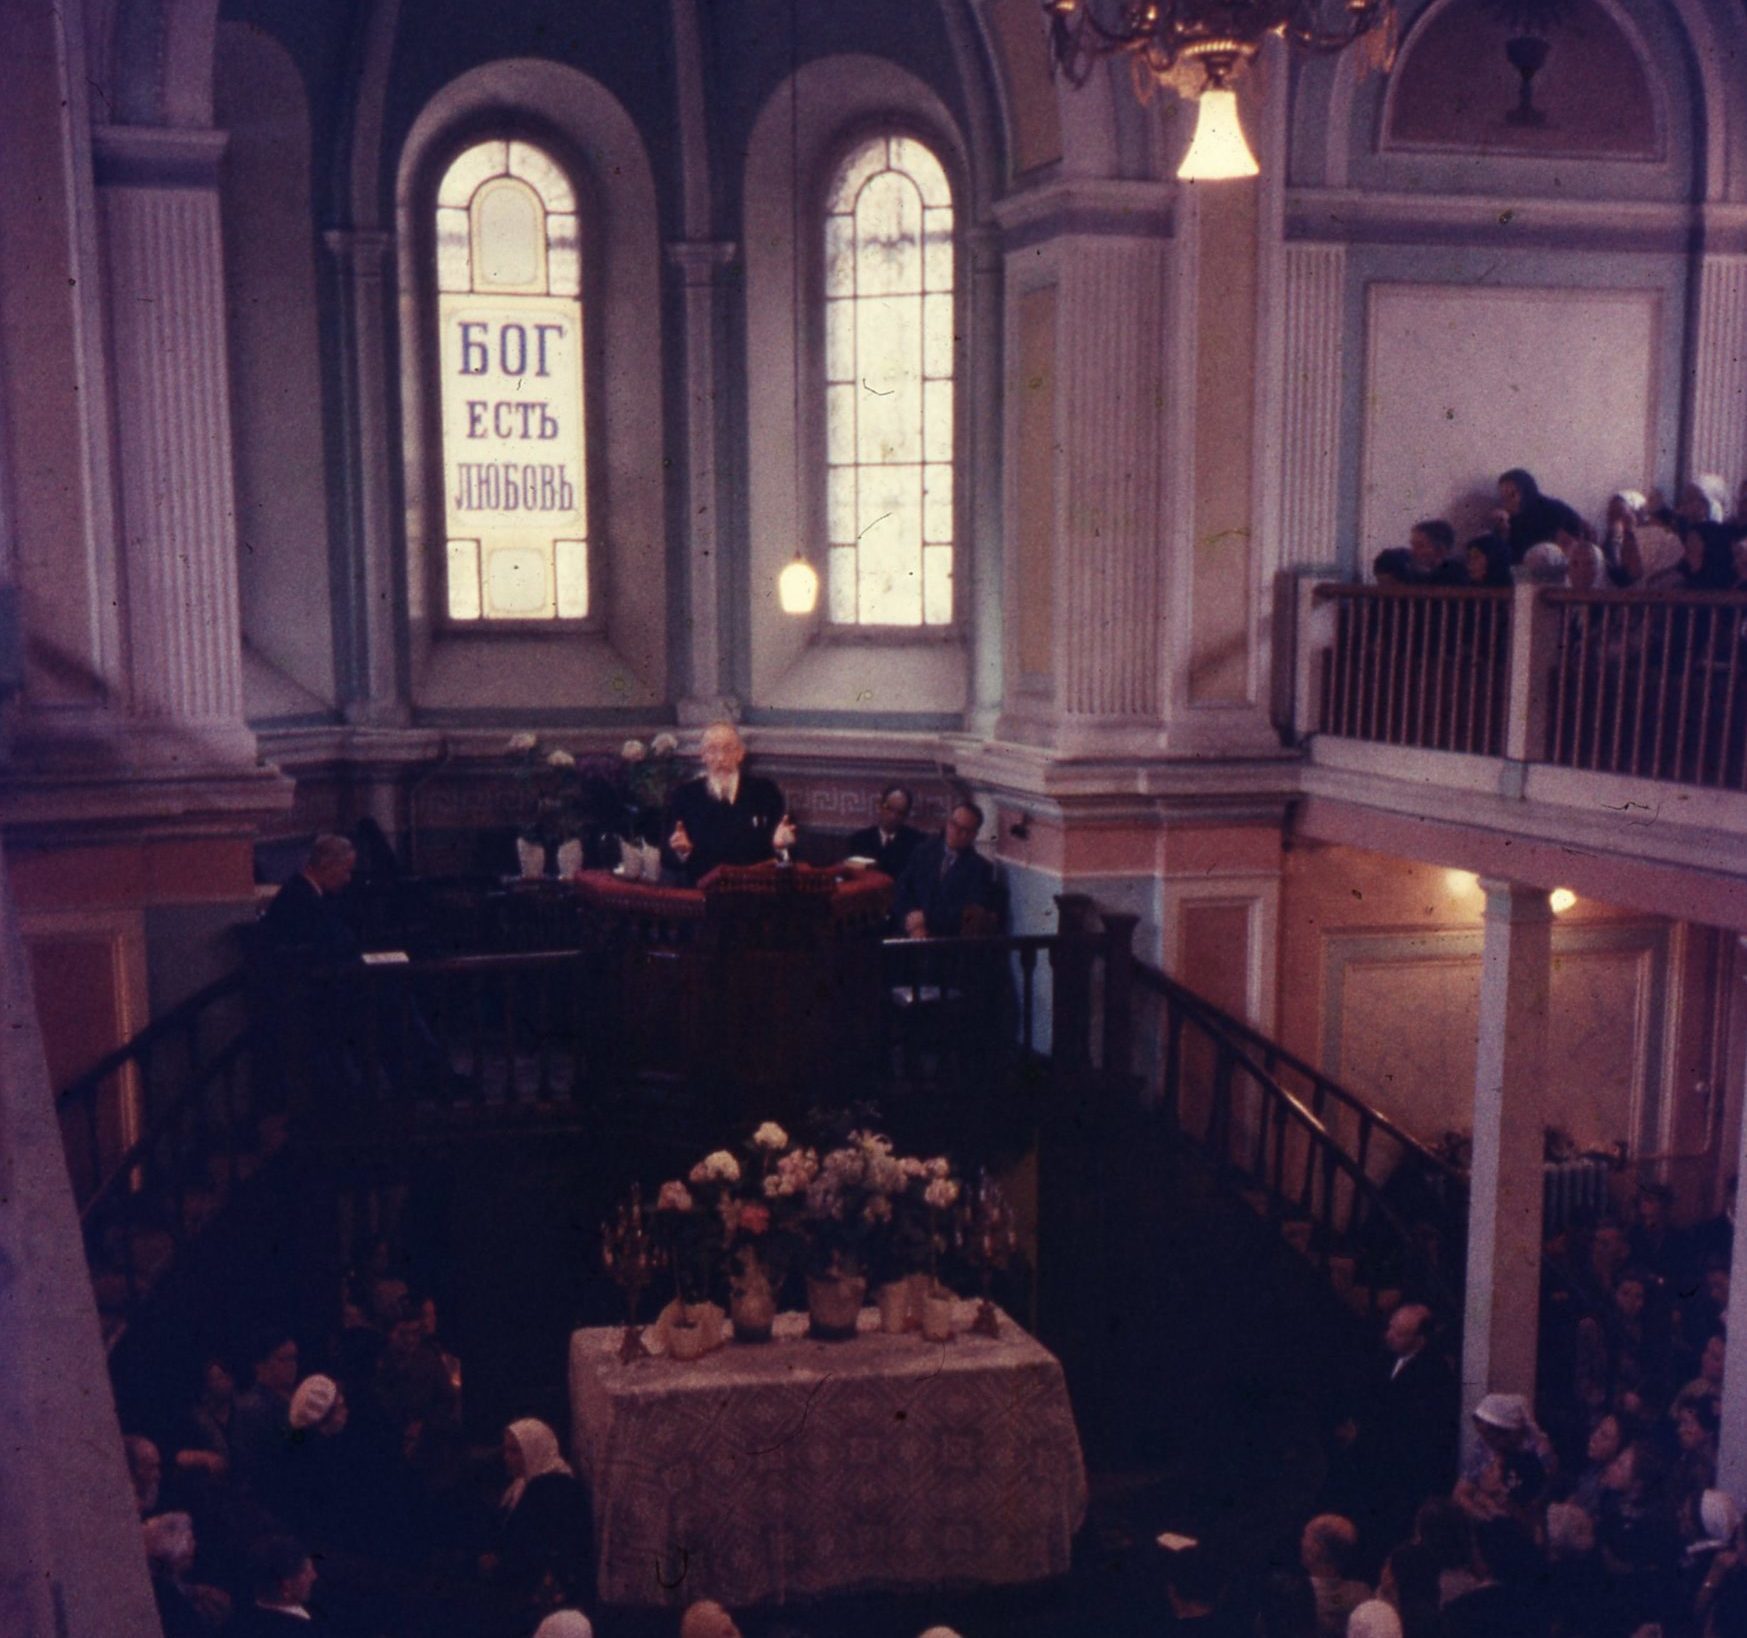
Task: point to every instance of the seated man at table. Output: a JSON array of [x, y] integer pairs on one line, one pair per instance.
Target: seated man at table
[[892, 839], [948, 886], [726, 817]]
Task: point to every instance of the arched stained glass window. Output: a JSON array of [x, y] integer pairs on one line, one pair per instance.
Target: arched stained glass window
[[509, 287], [889, 351]]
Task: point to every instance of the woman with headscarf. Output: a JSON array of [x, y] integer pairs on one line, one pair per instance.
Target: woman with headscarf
[[544, 1528], [1525, 516]]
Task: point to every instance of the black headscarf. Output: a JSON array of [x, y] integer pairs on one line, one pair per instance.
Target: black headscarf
[[1716, 571], [1539, 517]]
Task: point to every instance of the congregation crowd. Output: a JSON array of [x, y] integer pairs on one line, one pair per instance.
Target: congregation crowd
[[1593, 1512], [1697, 545]]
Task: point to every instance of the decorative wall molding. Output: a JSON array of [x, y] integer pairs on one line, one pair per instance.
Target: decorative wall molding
[[1718, 420]]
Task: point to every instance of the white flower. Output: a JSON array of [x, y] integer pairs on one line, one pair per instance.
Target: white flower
[[523, 743], [674, 1196], [664, 744], [560, 759], [941, 1193], [633, 750], [719, 1166], [940, 1166], [878, 1209], [770, 1136], [912, 1167]]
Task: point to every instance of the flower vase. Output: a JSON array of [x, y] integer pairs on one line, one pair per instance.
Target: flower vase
[[895, 1307], [937, 1316], [752, 1306], [834, 1305]]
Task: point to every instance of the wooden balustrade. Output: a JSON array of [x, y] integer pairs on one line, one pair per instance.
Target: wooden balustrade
[[1651, 685]]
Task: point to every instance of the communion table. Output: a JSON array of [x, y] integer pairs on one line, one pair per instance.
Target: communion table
[[765, 1473]]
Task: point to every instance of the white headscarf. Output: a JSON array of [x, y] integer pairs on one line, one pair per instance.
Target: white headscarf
[[1374, 1619], [565, 1624], [539, 1447], [1716, 493]]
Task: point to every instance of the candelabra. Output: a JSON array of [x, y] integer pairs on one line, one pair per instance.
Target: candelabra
[[632, 1259]]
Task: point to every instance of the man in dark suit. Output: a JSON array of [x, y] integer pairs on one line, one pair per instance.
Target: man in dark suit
[[282, 1576], [945, 878], [890, 842], [304, 916], [1408, 1438], [727, 817]]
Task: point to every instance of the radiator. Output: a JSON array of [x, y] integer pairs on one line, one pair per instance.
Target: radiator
[[1573, 1189]]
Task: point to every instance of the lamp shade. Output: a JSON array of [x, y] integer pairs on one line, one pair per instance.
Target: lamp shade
[[1218, 152], [797, 587]]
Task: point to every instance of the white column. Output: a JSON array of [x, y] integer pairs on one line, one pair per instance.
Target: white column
[[1719, 379], [1314, 278], [160, 212], [1732, 1444], [701, 265], [371, 685], [1504, 1213]]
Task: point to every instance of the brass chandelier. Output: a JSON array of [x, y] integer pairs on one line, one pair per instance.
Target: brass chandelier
[[1197, 48]]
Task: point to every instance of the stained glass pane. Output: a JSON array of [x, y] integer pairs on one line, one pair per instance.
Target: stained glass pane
[[863, 161], [840, 505], [937, 336], [536, 169], [518, 582], [915, 161], [888, 236], [464, 580], [937, 505], [889, 361], [937, 437], [461, 181], [839, 255], [840, 341], [840, 424], [937, 585], [572, 570], [840, 589], [454, 251], [563, 256], [507, 235]]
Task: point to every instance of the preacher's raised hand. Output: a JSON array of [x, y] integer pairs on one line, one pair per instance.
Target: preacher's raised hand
[[679, 842]]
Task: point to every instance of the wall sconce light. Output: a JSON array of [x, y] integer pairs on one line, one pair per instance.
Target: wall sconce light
[[797, 587], [1561, 899]]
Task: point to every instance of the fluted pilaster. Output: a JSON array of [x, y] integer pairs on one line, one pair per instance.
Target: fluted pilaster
[[1719, 388], [1314, 280], [160, 215], [1110, 423]]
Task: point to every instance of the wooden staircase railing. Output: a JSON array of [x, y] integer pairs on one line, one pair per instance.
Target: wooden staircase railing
[[1348, 1186]]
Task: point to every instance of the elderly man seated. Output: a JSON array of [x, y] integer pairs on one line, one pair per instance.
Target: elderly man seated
[[726, 817], [948, 887]]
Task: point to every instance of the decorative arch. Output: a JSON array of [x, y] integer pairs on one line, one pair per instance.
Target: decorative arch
[[838, 96], [1694, 47], [623, 662]]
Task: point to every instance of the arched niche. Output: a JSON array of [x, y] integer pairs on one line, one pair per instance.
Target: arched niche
[[1454, 88], [624, 663], [1689, 55]]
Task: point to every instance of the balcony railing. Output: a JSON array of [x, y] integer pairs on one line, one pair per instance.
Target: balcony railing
[[1649, 685]]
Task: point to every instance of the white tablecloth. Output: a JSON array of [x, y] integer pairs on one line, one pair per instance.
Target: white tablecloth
[[762, 1474]]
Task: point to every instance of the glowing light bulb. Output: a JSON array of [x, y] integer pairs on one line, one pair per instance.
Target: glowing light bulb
[[1561, 899], [797, 587], [1219, 151], [1461, 882]]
